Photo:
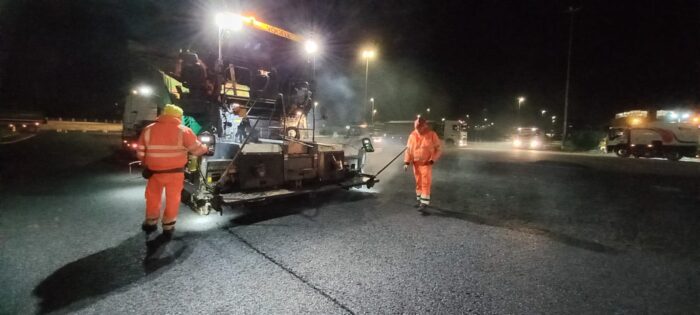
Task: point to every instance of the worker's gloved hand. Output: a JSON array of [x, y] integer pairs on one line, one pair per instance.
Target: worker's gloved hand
[[431, 162], [405, 166]]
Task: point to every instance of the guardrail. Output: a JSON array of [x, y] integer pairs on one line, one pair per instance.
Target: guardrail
[[84, 125]]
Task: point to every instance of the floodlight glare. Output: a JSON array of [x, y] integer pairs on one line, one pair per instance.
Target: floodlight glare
[[311, 47], [368, 53], [145, 90], [229, 21]]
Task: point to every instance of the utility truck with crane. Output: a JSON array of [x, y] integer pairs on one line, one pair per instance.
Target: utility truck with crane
[[639, 134]]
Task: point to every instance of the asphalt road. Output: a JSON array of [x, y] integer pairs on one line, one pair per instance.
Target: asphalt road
[[511, 232]]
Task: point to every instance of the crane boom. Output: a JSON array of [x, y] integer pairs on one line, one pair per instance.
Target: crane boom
[[249, 20]]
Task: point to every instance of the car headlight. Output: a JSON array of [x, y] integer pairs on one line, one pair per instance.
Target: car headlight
[[534, 143], [206, 139], [517, 142]]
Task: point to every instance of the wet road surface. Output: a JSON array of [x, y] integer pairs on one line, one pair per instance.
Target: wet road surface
[[509, 232]]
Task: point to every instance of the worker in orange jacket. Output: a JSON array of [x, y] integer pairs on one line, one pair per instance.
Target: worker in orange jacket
[[162, 149], [423, 149]]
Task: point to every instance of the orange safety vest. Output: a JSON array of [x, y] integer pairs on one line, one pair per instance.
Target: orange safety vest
[[164, 144], [422, 148]]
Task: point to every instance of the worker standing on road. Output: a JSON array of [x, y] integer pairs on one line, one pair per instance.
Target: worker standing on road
[[162, 148], [423, 149]]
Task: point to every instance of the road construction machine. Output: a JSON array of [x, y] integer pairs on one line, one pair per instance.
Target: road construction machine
[[250, 107]]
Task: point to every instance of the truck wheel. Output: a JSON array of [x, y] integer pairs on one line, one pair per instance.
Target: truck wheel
[[673, 155], [622, 152]]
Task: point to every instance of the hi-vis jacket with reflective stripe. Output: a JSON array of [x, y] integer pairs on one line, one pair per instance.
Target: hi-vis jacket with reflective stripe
[[422, 148], [164, 144]]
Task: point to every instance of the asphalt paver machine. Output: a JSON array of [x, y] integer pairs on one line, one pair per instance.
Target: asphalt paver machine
[[251, 110]]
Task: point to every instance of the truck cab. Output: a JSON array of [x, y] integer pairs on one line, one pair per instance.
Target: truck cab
[[528, 138]]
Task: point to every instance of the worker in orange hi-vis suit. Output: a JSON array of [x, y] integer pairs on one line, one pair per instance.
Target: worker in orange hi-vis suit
[[163, 148], [423, 149]]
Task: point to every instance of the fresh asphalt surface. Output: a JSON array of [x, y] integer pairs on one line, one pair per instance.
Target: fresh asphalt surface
[[511, 232]]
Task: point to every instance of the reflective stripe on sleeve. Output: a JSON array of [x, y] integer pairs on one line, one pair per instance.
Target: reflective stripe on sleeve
[[165, 147], [141, 148]]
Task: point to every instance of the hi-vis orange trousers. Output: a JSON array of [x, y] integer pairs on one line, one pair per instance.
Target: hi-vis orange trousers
[[424, 177], [173, 183]]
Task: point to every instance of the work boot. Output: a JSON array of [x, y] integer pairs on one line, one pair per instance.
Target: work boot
[[423, 209], [149, 227], [168, 234], [168, 230]]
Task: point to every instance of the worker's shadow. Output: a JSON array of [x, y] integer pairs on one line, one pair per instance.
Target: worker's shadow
[[79, 283], [553, 235]]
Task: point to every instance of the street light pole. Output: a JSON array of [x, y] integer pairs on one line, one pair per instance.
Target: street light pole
[[571, 11], [311, 48], [366, 79], [520, 102], [367, 54], [220, 61]]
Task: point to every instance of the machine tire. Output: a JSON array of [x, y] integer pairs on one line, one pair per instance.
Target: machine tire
[[673, 155], [450, 143], [622, 152], [292, 132]]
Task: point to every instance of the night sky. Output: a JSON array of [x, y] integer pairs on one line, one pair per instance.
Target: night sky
[[457, 57]]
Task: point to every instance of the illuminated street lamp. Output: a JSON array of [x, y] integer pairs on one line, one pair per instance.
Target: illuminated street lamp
[[367, 54], [544, 111], [227, 21], [428, 110]]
